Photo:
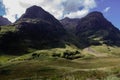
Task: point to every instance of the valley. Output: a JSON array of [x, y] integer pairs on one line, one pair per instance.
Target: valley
[[37, 46]]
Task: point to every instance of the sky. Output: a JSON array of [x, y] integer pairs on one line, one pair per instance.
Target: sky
[[13, 9]]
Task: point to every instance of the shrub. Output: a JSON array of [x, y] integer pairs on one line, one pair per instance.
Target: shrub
[[5, 72], [35, 55], [56, 55], [71, 54], [77, 52]]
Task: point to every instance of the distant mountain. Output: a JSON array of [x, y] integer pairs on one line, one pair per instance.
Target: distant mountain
[[36, 29], [4, 21], [95, 29], [70, 24]]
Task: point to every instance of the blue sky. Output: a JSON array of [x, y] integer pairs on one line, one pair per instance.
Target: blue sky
[[113, 14], [2, 8], [13, 9]]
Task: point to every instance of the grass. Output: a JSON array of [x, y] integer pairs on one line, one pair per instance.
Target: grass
[[46, 67], [29, 69], [6, 58], [54, 67], [107, 49], [5, 29], [47, 53]]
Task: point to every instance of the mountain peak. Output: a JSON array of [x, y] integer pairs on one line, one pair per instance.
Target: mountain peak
[[34, 12], [95, 25], [4, 21], [95, 14], [34, 8]]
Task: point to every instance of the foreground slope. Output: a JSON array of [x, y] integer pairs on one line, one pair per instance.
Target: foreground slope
[[46, 67]]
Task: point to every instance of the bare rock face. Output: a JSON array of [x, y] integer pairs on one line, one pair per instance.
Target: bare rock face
[[4, 21], [95, 29]]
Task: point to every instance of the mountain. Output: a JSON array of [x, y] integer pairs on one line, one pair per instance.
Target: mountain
[[37, 16], [70, 27], [36, 29], [36, 12], [70, 24], [96, 29], [4, 21], [37, 23]]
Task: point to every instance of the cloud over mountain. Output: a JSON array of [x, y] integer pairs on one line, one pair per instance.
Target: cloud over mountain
[[59, 8]]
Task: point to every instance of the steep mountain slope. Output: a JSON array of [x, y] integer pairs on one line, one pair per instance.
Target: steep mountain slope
[[36, 12], [94, 29], [36, 15], [4, 21], [70, 24], [36, 29]]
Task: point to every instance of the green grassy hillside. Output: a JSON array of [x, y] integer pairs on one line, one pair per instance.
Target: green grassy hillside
[[50, 64]]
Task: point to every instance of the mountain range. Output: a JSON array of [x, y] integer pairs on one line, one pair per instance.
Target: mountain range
[[38, 29], [37, 46]]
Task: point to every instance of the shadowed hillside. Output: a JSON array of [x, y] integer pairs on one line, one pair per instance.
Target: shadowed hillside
[[4, 21], [36, 29], [94, 29]]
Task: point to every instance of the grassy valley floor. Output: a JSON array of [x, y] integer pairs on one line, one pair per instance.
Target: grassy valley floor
[[42, 65]]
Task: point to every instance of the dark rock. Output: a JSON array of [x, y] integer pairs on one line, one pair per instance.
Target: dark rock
[[70, 24], [4, 21], [38, 25], [94, 28], [36, 12], [36, 29]]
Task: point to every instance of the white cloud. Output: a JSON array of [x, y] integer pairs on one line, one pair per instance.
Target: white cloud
[[77, 14], [106, 9], [59, 8], [89, 4], [73, 8]]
